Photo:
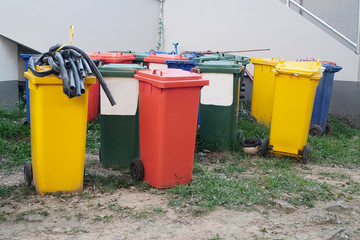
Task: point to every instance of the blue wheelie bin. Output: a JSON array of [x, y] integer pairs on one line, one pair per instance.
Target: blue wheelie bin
[[319, 121], [26, 58]]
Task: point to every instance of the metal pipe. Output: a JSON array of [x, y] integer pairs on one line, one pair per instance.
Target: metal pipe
[[322, 22]]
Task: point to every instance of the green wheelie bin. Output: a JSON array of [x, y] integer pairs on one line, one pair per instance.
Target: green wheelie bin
[[219, 102], [119, 124]]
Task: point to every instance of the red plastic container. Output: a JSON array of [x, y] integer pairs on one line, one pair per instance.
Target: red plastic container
[[157, 61], [118, 57], [168, 109], [94, 92], [162, 58]]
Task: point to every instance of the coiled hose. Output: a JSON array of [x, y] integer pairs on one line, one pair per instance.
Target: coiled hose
[[70, 64]]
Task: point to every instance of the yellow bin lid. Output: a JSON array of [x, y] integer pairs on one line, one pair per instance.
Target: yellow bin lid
[[265, 61], [305, 69], [51, 79]]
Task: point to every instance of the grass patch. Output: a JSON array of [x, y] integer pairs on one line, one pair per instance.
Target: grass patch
[[333, 175], [93, 137], [113, 182], [14, 139], [208, 190], [342, 147]]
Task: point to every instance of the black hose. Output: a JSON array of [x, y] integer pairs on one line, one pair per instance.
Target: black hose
[[71, 65], [64, 75], [76, 77], [95, 71], [86, 66], [31, 66]]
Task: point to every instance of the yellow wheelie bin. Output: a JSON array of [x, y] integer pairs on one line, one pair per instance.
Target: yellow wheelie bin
[[263, 89], [294, 93], [58, 134]]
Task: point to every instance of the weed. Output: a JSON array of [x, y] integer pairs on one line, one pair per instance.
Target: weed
[[217, 237], [105, 219], [93, 137], [343, 147], [333, 175], [14, 139]]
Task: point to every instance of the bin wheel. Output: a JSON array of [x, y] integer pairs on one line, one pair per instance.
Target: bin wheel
[[264, 146], [305, 154], [137, 169], [315, 131], [328, 129], [28, 173]]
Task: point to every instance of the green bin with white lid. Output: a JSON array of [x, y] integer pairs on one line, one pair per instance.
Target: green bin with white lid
[[219, 102], [119, 124]]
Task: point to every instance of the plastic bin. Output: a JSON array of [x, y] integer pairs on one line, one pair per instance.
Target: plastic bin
[[139, 57], [118, 57], [319, 121], [58, 134], [119, 124], [294, 93], [94, 91], [184, 65], [193, 55], [168, 102], [263, 89], [26, 58], [157, 61], [219, 102]]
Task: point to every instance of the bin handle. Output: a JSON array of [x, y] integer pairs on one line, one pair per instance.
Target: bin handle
[[160, 72], [192, 70]]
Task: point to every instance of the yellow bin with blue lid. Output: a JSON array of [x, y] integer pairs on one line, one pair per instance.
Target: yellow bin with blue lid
[[58, 134], [294, 93]]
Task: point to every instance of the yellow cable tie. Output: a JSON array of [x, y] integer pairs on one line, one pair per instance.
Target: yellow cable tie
[[71, 38]]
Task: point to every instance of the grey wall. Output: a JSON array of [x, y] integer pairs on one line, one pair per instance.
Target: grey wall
[[99, 25], [247, 24], [345, 101], [8, 73]]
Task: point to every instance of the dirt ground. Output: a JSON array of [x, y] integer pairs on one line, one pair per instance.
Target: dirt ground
[[134, 214]]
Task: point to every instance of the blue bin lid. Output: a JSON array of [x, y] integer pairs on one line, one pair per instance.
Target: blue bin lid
[[179, 62], [193, 55], [331, 68], [27, 56]]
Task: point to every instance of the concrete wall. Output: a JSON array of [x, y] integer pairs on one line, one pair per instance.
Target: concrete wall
[[99, 25], [8, 73], [245, 24]]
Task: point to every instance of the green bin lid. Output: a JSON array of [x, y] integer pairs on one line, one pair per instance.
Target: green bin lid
[[120, 70], [223, 56], [138, 56], [220, 67]]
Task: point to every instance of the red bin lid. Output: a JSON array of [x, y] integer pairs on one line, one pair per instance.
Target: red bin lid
[[162, 58], [314, 60], [95, 55], [171, 78], [117, 57]]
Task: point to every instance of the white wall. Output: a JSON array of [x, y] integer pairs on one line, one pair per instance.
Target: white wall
[[248, 24], [8, 60], [99, 25]]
